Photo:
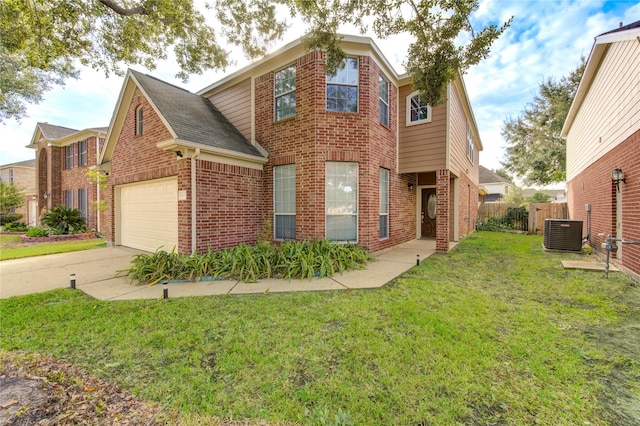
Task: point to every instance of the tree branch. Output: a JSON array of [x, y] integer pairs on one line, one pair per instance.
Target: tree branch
[[139, 10]]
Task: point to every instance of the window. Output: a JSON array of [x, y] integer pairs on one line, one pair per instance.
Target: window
[[68, 198], [342, 88], [470, 144], [68, 158], [139, 120], [10, 176], [418, 110], [285, 92], [284, 200], [82, 153], [384, 101], [384, 203], [82, 201], [342, 201]]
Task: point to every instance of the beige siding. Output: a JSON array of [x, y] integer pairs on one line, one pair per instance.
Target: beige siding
[[23, 177], [422, 147], [459, 162], [235, 104], [610, 112]]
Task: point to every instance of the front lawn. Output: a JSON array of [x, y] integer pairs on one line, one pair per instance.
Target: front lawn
[[12, 248], [495, 332]]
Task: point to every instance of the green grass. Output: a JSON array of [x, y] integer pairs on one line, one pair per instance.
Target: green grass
[[11, 249], [493, 333]]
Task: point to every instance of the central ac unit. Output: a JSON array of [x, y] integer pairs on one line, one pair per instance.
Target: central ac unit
[[563, 234]]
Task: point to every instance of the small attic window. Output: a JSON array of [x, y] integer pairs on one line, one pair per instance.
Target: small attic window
[[139, 120]]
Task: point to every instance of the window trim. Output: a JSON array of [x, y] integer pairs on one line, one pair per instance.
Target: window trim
[[84, 143], [275, 213], [357, 203], [68, 198], [471, 145], [408, 113], [83, 202], [10, 176], [381, 212], [280, 95], [332, 83], [139, 121], [68, 157], [382, 80]]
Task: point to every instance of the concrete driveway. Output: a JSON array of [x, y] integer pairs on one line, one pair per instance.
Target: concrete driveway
[[42, 273]]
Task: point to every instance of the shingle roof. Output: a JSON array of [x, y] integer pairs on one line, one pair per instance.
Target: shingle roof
[[100, 129], [53, 132], [193, 118], [624, 28], [25, 163], [487, 176]]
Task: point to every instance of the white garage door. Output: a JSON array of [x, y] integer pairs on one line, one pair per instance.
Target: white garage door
[[149, 215]]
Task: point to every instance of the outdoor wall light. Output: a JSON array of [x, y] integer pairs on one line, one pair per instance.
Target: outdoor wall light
[[46, 195], [617, 176], [179, 154], [410, 186]]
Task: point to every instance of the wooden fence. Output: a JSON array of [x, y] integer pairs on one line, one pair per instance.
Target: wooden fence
[[531, 221], [538, 212]]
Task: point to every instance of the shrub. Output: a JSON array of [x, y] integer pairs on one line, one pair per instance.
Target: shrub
[[6, 218], [37, 232], [65, 220], [16, 227]]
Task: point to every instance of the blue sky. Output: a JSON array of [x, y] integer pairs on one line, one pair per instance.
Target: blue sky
[[545, 40]]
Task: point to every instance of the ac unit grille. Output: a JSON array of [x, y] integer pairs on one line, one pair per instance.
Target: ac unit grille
[[561, 234]]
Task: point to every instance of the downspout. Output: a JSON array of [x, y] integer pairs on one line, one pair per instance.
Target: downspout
[[98, 212], [193, 199]]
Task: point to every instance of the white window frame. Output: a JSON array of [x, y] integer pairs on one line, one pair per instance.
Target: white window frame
[[330, 203], [139, 120], [384, 119], [384, 207], [277, 178], [471, 146], [68, 157], [83, 147], [409, 106], [331, 81], [277, 95]]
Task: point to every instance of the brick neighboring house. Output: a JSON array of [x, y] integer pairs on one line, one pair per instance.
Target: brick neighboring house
[[63, 157], [354, 157], [22, 174], [603, 134]]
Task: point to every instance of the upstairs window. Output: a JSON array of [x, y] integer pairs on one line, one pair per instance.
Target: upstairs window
[[139, 120], [68, 156], [11, 176], [342, 88], [384, 101], [285, 92], [418, 110], [82, 153], [470, 145]]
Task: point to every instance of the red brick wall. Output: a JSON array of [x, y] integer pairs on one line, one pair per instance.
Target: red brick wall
[[443, 210], [136, 158], [467, 205], [315, 136], [594, 186]]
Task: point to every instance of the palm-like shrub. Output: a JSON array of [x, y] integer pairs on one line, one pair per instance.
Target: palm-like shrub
[[64, 220]]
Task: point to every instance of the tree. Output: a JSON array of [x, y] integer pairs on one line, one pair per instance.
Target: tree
[[10, 198], [64, 220], [503, 173], [537, 151], [513, 196], [44, 40], [540, 197]]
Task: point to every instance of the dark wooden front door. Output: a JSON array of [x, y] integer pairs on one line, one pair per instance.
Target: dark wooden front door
[[428, 213]]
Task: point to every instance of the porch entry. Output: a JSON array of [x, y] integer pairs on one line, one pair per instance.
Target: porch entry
[[428, 214]]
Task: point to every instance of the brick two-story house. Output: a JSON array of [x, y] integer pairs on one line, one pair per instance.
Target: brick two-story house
[[63, 157], [355, 157]]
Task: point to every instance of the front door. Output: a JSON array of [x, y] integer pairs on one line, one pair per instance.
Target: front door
[[428, 213]]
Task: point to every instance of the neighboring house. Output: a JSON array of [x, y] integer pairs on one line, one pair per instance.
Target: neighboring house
[[556, 195], [23, 175], [495, 186], [63, 157], [603, 135], [356, 157]]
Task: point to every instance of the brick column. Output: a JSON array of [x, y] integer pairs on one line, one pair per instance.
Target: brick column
[[442, 211]]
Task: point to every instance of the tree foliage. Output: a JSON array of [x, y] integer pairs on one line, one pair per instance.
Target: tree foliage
[[10, 198], [42, 42], [540, 197], [503, 173], [537, 151], [64, 220]]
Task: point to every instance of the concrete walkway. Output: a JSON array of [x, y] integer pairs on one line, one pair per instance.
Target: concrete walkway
[[95, 270]]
